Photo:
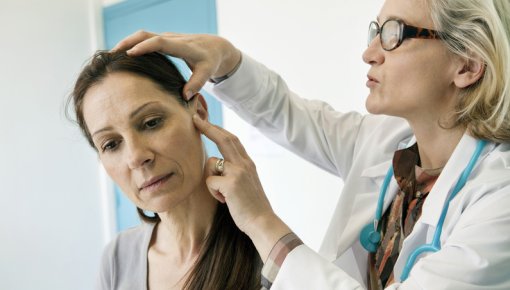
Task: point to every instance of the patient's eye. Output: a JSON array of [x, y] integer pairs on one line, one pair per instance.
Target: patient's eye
[[110, 145], [152, 123]]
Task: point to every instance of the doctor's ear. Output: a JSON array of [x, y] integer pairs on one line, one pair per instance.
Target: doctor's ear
[[198, 105], [469, 71]]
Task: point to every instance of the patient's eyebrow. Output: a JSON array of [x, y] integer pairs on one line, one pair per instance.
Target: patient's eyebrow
[[131, 116], [141, 108], [101, 130]]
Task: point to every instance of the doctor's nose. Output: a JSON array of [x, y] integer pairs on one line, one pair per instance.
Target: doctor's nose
[[138, 154], [374, 53]]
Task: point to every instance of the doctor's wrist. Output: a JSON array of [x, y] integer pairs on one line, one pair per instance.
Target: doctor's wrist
[[277, 256], [230, 67], [265, 231]]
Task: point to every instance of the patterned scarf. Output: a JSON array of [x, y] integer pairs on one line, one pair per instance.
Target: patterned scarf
[[398, 221]]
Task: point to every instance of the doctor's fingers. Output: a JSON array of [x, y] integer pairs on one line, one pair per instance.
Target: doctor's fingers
[[131, 40], [229, 179], [140, 40], [240, 188], [228, 144], [215, 189], [206, 55]]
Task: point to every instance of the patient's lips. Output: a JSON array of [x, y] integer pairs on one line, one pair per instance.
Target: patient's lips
[[155, 183]]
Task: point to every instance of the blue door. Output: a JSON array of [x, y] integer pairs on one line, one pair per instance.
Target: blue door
[[185, 16]]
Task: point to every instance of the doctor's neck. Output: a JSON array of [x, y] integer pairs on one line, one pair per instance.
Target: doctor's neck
[[436, 144]]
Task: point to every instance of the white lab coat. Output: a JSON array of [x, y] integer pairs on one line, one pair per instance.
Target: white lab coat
[[475, 241]]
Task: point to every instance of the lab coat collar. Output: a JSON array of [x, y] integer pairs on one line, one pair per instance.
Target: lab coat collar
[[444, 184], [446, 181], [348, 231], [345, 228], [506, 161], [377, 172]]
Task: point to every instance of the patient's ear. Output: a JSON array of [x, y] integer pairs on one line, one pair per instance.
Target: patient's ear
[[199, 106], [469, 72]]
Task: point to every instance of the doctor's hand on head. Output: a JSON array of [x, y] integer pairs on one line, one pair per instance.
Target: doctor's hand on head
[[208, 56]]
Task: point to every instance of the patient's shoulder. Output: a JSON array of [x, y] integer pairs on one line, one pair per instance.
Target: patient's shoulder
[[131, 240], [124, 259]]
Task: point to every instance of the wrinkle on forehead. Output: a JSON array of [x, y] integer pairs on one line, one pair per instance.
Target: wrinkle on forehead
[[101, 105]]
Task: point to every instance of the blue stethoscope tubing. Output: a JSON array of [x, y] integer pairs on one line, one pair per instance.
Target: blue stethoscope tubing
[[370, 236]]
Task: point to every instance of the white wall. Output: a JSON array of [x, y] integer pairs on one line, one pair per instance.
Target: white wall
[[50, 215], [316, 46]]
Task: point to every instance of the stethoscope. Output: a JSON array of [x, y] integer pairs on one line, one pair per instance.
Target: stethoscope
[[370, 236]]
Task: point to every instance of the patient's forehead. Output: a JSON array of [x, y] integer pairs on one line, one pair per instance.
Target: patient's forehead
[[120, 94]]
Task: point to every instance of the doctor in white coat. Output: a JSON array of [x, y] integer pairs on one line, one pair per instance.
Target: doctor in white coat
[[426, 200]]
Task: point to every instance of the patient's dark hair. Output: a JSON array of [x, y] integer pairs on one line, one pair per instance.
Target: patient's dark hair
[[228, 259]]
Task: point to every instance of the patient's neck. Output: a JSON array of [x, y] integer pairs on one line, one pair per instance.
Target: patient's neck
[[182, 230]]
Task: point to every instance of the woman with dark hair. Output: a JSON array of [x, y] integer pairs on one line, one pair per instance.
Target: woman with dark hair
[[131, 111]]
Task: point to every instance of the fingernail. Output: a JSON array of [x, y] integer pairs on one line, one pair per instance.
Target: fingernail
[[131, 51], [188, 94]]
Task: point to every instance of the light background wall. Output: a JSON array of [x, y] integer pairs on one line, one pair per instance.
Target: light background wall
[[51, 215]]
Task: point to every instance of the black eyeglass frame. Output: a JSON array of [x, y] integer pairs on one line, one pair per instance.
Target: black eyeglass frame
[[406, 31]]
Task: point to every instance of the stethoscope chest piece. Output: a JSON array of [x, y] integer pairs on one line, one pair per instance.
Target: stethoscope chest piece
[[370, 238]]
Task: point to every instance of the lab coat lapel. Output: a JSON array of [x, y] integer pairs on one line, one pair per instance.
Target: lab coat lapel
[[443, 187], [424, 228], [345, 228], [359, 198]]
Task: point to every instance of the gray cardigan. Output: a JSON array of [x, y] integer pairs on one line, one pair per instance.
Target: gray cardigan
[[124, 262]]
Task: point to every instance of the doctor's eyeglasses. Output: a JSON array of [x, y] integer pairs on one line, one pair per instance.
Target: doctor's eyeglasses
[[394, 31]]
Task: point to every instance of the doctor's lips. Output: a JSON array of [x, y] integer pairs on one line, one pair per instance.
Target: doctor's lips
[[371, 81], [155, 182]]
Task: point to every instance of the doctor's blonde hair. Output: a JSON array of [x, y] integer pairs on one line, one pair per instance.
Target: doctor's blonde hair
[[480, 28]]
